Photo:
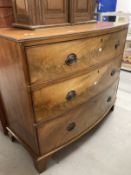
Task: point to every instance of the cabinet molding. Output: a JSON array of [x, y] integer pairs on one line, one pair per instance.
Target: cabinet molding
[[46, 13]]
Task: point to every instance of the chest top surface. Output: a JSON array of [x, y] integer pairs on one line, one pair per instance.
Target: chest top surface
[[22, 35]]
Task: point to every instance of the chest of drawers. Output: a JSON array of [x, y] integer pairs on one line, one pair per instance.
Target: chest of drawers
[[58, 83]]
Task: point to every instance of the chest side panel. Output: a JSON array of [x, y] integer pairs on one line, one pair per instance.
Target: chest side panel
[[14, 93]]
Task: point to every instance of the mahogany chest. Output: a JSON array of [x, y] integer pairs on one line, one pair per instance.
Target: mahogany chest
[[42, 13], [57, 84]]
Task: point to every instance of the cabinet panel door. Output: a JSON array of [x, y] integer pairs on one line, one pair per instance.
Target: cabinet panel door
[[21, 11], [54, 12], [82, 10], [7, 17], [5, 3]]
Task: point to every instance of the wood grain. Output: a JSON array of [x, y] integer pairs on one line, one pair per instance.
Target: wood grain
[[51, 101], [46, 13], [48, 62], [54, 12], [55, 133], [6, 17], [82, 10], [57, 34], [5, 3], [21, 9], [6, 13], [58, 108], [33, 14], [14, 93]]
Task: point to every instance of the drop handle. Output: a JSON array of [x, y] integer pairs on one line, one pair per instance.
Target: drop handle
[[71, 126], [109, 99], [71, 95], [71, 59], [113, 72], [117, 45]]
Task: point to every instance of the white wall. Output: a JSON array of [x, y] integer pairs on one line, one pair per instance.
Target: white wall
[[124, 5]]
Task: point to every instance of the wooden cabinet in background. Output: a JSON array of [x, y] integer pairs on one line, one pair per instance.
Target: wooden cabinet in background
[[44, 13], [58, 83], [34, 14], [25, 12], [5, 3], [82, 10], [54, 12], [6, 13]]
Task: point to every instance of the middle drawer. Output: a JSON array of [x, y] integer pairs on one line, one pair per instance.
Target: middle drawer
[[54, 100]]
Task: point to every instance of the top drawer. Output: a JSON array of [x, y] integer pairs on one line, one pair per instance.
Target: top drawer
[[53, 61]]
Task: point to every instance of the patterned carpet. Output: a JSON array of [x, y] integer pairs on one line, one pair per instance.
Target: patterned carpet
[[127, 55]]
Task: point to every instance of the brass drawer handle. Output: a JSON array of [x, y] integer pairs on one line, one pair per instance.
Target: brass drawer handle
[[117, 45], [71, 95], [109, 99], [71, 59], [113, 72], [71, 126]]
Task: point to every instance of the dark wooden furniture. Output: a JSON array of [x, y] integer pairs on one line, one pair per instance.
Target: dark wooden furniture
[[82, 10], [6, 13], [3, 122], [58, 83], [42, 13]]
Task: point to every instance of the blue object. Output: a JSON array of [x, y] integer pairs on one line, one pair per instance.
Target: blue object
[[106, 6]]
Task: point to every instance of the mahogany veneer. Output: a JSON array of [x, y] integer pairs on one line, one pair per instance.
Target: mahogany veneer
[[6, 13], [56, 84], [42, 13], [82, 10], [5, 3]]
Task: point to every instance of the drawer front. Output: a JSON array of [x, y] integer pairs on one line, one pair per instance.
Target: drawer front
[[54, 61], [56, 99], [62, 130]]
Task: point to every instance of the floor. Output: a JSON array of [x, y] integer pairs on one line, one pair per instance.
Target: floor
[[104, 151]]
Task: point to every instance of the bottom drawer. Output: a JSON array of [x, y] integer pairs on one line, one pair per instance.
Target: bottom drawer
[[58, 132]]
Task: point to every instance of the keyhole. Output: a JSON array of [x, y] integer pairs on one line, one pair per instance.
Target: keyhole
[[101, 39]]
